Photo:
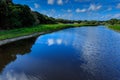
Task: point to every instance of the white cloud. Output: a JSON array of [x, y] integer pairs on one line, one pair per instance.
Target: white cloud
[[36, 5], [118, 5], [59, 2], [80, 10], [51, 2], [93, 7], [110, 16], [116, 16]]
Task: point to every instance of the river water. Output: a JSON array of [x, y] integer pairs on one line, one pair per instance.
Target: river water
[[85, 53]]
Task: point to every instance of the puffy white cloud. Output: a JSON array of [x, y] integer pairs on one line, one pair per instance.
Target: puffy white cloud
[[80, 10], [36, 5], [94, 7], [59, 2], [51, 2], [118, 5]]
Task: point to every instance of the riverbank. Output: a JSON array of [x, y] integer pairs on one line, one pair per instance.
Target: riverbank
[[7, 36], [114, 27]]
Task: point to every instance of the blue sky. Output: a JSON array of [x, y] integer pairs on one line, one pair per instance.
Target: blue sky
[[76, 9]]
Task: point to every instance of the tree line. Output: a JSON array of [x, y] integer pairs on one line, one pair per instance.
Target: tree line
[[16, 16]]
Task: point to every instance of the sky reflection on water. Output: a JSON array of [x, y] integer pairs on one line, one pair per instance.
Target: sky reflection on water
[[86, 53]]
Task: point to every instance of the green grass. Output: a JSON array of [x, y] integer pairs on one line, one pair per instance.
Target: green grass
[[6, 34], [115, 27]]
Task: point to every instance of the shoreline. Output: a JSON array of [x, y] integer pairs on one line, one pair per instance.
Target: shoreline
[[24, 33], [115, 27], [6, 41]]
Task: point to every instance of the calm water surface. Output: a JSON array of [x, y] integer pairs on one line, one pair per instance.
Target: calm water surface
[[86, 53]]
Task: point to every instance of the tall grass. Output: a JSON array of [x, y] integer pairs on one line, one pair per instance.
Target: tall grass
[[115, 27], [6, 34]]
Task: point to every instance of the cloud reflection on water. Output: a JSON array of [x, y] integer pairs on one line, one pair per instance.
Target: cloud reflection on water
[[51, 42], [85, 53], [11, 75]]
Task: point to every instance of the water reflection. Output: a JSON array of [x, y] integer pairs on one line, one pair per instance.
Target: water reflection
[[53, 41], [8, 52], [101, 52], [87, 53]]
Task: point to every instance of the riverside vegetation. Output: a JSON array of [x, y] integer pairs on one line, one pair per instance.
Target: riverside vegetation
[[18, 20], [6, 34], [114, 24]]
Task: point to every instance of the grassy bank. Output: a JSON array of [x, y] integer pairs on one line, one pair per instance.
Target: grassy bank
[[115, 27], [7, 34]]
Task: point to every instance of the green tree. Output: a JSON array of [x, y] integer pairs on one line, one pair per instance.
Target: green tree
[[112, 21], [3, 13]]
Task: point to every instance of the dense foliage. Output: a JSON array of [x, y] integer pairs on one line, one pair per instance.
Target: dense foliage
[[15, 16], [43, 19]]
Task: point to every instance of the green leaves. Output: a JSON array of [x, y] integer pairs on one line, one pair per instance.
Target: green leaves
[[16, 16]]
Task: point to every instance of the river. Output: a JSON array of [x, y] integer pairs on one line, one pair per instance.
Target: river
[[83, 53]]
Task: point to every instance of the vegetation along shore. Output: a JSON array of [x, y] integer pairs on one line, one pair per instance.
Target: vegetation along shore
[[19, 20]]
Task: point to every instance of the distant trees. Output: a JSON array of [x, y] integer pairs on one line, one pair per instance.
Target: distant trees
[[16, 16], [94, 22], [59, 20], [113, 21]]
